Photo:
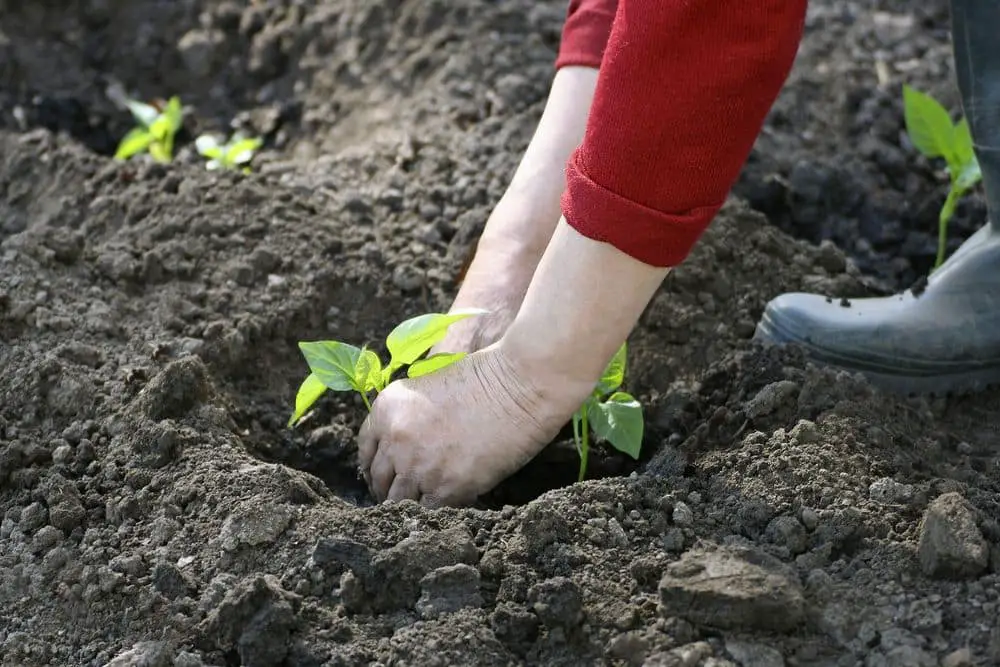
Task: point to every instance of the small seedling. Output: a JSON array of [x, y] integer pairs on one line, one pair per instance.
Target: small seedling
[[157, 126], [614, 416], [932, 132], [338, 366], [234, 154]]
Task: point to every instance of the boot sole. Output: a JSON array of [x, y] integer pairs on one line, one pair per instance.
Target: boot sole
[[949, 378]]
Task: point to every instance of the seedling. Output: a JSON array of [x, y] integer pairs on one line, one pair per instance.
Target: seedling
[[932, 132], [234, 154], [338, 366], [157, 126], [614, 416]]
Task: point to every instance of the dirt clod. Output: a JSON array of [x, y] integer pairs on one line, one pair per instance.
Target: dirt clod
[[733, 588], [754, 655], [253, 524], [145, 654], [397, 573], [256, 619], [449, 589], [151, 491], [558, 602], [951, 544]]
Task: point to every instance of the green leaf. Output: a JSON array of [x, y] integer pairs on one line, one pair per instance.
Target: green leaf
[[412, 338], [928, 124], [333, 362], [961, 144], [387, 375], [160, 128], [144, 114], [215, 154], [174, 113], [208, 146], [309, 392], [614, 374], [242, 150], [968, 176], [160, 151], [368, 372], [434, 363], [619, 421], [135, 142]]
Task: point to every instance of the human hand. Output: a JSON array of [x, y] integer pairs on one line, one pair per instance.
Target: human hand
[[448, 437]]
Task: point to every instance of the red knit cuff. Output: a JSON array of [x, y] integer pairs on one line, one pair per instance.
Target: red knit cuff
[[585, 33], [577, 58], [572, 53], [654, 238]]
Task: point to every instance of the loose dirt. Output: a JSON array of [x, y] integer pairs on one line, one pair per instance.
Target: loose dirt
[[156, 511]]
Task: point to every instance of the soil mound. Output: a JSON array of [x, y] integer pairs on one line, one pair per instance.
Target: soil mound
[[155, 510]]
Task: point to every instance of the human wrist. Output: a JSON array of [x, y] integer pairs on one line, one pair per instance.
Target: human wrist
[[519, 229], [583, 301]]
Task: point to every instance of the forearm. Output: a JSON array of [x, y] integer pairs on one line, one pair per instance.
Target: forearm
[[585, 298], [521, 224], [526, 215]]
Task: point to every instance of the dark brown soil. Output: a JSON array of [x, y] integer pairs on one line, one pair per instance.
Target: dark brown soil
[[156, 511]]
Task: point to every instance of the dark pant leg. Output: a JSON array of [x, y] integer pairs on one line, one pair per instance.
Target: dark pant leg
[[976, 42]]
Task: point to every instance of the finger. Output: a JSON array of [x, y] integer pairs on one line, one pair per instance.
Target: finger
[[403, 488], [439, 496], [367, 443], [382, 474], [431, 500]]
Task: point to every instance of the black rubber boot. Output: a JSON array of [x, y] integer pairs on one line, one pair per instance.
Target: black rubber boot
[[946, 337]]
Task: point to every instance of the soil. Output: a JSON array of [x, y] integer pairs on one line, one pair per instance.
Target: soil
[[156, 511]]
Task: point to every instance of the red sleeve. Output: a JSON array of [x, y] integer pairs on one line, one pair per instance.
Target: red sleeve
[[683, 91], [585, 33]]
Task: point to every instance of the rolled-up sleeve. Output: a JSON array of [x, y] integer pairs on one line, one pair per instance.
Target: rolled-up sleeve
[[585, 33], [684, 88]]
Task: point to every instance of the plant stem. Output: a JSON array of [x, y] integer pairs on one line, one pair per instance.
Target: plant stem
[[946, 212], [585, 443], [364, 397]]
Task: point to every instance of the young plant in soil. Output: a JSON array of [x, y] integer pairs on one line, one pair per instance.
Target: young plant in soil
[[233, 154], [339, 366], [614, 416], [932, 132], [157, 126]]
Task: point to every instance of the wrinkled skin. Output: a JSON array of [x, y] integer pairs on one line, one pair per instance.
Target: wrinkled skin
[[446, 438], [496, 282]]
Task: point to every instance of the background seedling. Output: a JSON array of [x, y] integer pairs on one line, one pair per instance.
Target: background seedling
[[614, 416], [234, 154], [339, 366], [155, 131], [929, 127]]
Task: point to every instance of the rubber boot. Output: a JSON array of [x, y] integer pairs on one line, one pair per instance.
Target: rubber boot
[[945, 337]]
